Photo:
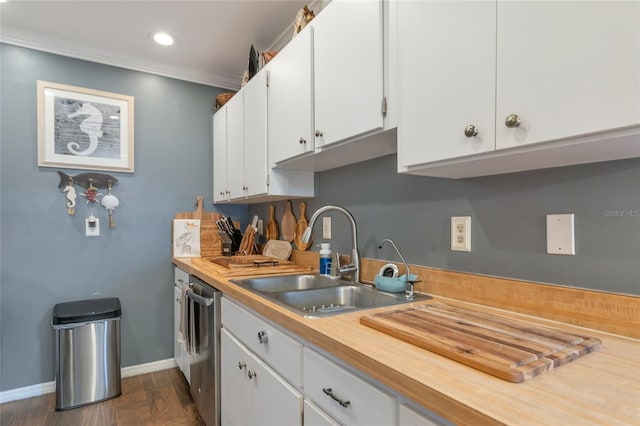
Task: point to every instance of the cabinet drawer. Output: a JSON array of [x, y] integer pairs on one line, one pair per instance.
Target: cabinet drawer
[[278, 350], [344, 396], [180, 276]]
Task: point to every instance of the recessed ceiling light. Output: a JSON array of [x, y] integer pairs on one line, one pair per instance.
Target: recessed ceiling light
[[163, 39]]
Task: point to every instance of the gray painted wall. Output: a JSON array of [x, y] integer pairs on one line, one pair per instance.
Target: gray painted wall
[[508, 225], [45, 257]]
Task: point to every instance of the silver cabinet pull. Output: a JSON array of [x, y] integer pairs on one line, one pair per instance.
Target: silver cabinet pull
[[251, 374], [343, 403], [470, 131], [512, 120], [318, 133], [241, 365], [303, 141], [262, 337]]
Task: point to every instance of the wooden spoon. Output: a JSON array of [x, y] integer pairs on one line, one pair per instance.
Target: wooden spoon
[[300, 228], [272, 226], [288, 224]]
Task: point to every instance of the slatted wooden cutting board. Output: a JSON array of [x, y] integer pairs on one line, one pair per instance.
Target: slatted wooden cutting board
[[510, 349], [238, 268]]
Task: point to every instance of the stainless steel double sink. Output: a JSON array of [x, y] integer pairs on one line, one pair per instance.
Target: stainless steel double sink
[[316, 296]]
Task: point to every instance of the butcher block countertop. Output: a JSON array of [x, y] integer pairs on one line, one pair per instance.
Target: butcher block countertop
[[599, 388]]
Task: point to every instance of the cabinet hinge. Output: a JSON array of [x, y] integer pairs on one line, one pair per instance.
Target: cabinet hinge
[[268, 78], [384, 106], [267, 179]]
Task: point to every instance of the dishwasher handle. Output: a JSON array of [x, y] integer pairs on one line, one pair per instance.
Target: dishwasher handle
[[206, 301]]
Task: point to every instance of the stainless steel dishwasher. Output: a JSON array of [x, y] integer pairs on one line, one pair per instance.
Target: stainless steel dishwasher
[[203, 344]]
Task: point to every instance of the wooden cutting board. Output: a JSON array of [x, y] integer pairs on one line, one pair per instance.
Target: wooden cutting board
[[301, 226], [248, 261], [272, 225], [288, 224], [507, 348], [210, 241], [237, 271]]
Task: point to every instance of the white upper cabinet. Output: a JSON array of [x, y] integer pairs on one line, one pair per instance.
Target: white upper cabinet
[[235, 145], [291, 99], [241, 163], [348, 70], [446, 58], [566, 68], [220, 188], [255, 136], [345, 85], [495, 87]]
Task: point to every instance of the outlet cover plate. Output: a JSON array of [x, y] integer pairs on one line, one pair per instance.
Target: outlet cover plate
[[560, 234], [461, 233], [326, 228]]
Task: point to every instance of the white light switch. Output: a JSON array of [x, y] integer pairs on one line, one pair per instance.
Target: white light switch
[[560, 234]]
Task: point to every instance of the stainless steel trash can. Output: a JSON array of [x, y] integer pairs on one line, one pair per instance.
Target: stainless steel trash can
[[87, 351]]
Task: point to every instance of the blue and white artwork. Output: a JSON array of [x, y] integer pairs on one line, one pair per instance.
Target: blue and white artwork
[[87, 129]]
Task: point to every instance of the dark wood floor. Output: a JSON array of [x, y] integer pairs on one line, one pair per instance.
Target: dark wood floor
[[160, 398]]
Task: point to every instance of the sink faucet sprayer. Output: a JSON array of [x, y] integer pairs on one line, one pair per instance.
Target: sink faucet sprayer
[[354, 268], [409, 282]]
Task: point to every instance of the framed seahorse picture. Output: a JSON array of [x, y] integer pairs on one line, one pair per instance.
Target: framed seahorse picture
[[81, 128]]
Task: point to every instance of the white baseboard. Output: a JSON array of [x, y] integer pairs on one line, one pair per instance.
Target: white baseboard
[[48, 387]]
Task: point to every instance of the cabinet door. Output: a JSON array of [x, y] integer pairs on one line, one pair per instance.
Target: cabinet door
[[251, 392], [290, 99], [235, 389], [348, 70], [235, 146], [566, 68], [446, 79], [177, 346], [275, 402], [255, 135], [220, 155]]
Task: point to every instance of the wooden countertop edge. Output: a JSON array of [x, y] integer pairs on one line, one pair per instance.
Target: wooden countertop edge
[[416, 390]]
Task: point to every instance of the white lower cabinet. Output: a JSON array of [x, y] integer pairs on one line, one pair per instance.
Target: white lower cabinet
[[271, 377], [343, 395], [179, 351], [251, 392]]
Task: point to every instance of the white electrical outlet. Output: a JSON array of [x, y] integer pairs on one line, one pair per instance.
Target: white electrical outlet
[[461, 233], [326, 228]]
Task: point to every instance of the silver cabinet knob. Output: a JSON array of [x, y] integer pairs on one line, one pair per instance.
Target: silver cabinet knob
[[318, 133], [303, 141], [241, 365], [512, 120], [470, 131], [262, 337], [251, 374]]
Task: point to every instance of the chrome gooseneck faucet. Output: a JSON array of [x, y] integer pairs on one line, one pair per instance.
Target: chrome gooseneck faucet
[[352, 269], [409, 282]]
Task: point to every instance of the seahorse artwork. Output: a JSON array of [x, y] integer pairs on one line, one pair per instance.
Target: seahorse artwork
[[91, 125], [71, 197]]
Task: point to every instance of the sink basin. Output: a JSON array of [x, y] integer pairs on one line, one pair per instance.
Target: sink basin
[[288, 283], [317, 296]]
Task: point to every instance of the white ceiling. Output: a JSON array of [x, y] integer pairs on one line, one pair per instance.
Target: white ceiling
[[213, 37]]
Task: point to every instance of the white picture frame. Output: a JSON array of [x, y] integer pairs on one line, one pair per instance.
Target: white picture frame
[[80, 128]]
